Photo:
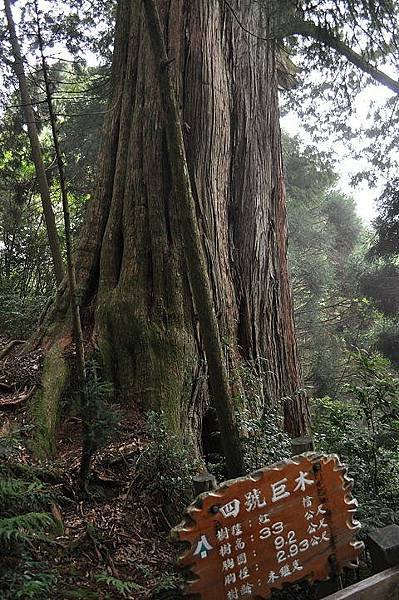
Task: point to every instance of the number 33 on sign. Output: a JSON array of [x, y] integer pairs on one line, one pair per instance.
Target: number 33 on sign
[[288, 522]]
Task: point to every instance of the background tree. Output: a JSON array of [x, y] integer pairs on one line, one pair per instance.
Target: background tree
[[342, 301], [348, 45], [79, 94], [37, 155], [27, 278]]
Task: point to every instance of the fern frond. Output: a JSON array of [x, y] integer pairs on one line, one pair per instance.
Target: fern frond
[[19, 496], [37, 585], [22, 528], [11, 488], [122, 587]]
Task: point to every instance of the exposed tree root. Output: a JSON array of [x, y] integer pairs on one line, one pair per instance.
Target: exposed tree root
[[9, 347], [11, 403]]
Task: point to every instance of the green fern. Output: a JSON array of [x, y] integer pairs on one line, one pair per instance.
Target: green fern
[[168, 586], [102, 418], [26, 495], [122, 587], [80, 593], [37, 586], [22, 528], [24, 520], [10, 488]]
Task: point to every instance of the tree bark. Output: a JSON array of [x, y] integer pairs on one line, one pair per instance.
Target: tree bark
[[37, 156], [195, 258], [136, 296]]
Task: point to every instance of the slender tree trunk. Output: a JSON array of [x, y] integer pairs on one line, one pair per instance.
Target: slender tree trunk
[[138, 301], [85, 464], [37, 156]]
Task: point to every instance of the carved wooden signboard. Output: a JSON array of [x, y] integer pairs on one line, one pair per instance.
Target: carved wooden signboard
[[291, 521]]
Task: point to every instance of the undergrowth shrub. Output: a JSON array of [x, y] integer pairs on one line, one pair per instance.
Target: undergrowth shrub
[[263, 438], [363, 429], [101, 417], [10, 443], [169, 587], [32, 583], [265, 441], [123, 588], [25, 522], [260, 423], [166, 468]]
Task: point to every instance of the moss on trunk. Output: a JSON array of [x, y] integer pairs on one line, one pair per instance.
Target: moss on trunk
[[45, 405], [150, 364]]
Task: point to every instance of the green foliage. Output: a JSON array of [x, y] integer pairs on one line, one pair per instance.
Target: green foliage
[[19, 315], [265, 441], [386, 334], [169, 586], [23, 497], [28, 494], [124, 588], [369, 29], [101, 418], [30, 579], [23, 528], [24, 522], [364, 431], [166, 467], [10, 443], [80, 593], [25, 261], [387, 223], [35, 585], [381, 283], [327, 252], [26, 269]]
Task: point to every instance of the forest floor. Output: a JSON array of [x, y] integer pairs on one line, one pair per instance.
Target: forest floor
[[114, 543], [119, 533]]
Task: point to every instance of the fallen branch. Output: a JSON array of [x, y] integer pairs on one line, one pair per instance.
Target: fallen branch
[[11, 403], [9, 347]]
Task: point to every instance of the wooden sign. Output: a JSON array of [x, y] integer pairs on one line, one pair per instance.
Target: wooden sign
[[291, 521]]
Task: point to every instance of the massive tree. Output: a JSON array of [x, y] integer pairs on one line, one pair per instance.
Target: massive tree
[[135, 295]]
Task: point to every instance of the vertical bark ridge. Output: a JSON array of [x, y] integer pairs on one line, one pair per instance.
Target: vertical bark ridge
[[265, 328], [206, 113], [91, 239], [112, 246]]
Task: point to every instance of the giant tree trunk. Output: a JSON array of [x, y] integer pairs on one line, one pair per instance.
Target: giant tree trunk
[[135, 294]]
